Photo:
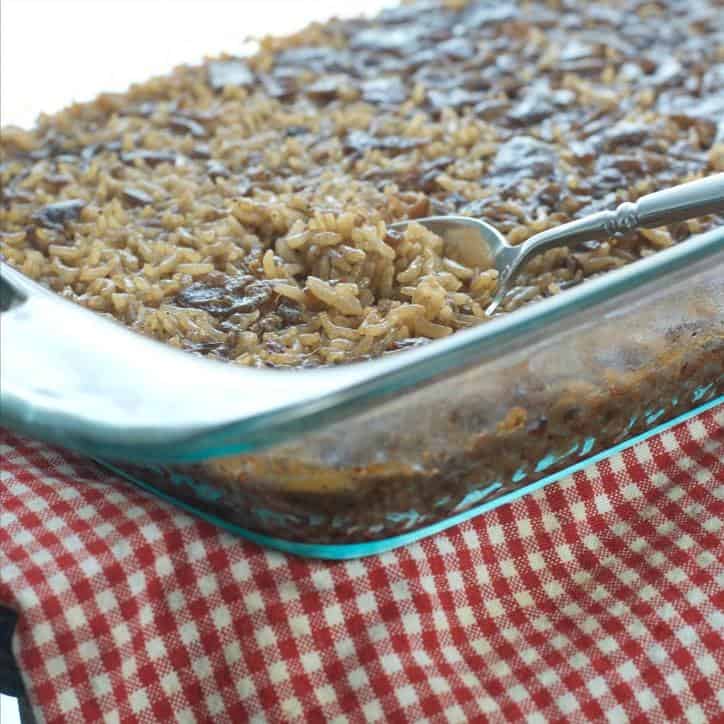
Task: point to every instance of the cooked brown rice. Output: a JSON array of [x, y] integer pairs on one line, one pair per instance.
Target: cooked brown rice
[[240, 209]]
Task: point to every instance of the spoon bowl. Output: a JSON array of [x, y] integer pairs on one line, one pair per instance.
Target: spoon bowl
[[468, 241]]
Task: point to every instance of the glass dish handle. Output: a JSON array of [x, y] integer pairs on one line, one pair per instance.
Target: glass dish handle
[[88, 383], [73, 377]]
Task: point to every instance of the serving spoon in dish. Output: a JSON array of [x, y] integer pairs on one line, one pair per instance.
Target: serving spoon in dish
[[476, 243]]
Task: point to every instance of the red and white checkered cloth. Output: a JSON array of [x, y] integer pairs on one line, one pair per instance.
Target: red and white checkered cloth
[[598, 597]]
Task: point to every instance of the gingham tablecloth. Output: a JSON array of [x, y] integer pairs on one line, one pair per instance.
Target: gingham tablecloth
[[599, 597]]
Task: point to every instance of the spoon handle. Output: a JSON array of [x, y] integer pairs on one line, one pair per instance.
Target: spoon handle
[[679, 203]]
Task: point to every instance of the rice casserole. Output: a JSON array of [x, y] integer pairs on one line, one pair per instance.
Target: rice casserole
[[239, 210]]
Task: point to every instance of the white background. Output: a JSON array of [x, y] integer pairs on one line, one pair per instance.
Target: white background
[[8, 710], [53, 52]]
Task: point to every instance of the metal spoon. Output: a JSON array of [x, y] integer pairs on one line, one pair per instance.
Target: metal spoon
[[476, 243]]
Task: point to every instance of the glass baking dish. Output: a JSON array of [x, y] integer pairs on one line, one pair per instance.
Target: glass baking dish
[[401, 447]]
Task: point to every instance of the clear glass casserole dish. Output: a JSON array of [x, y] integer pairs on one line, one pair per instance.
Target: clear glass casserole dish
[[369, 456]]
